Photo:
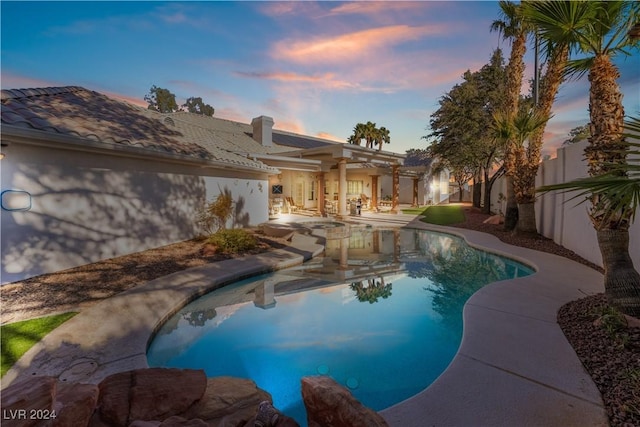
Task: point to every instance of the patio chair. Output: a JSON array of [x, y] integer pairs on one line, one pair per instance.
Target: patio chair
[[291, 205], [365, 201]]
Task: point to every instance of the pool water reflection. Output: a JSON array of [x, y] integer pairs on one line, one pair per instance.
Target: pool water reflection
[[381, 313]]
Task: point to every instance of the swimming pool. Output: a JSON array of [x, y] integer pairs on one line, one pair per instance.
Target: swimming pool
[[381, 313]]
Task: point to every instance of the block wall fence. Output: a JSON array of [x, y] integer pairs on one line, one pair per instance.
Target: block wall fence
[[564, 220]]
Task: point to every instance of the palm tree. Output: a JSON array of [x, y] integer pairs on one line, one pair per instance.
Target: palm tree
[[513, 28], [370, 133], [600, 30], [358, 135], [519, 129], [557, 53], [382, 137]]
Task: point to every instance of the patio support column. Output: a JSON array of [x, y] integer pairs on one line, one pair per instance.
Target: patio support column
[[415, 203], [396, 189], [374, 193], [320, 186], [342, 188]]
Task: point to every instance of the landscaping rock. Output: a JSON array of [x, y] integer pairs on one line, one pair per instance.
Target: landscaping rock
[[228, 401], [173, 421], [18, 400], [113, 403], [75, 404], [268, 416], [154, 397], [494, 219], [329, 404], [159, 393]]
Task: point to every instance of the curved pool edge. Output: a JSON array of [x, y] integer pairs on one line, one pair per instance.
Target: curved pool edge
[[113, 335], [514, 365], [503, 374]]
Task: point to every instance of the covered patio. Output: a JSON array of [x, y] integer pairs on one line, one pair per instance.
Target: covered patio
[[326, 179]]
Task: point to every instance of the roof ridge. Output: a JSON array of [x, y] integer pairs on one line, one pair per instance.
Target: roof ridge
[[6, 94]]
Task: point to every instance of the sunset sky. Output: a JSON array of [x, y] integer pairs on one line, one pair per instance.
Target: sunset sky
[[317, 68]]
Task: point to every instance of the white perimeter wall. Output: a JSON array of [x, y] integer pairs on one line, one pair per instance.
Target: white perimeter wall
[[88, 207], [564, 220]]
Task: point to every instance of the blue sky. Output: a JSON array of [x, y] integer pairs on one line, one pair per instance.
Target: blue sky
[[316, 67]]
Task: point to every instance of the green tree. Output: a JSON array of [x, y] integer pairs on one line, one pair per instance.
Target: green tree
[[514, 29], [600, 30], [197, 106], [371, 135], [358, 134], [577, 134], [161, 100], [382, 137], [461, 136], [517, 130]]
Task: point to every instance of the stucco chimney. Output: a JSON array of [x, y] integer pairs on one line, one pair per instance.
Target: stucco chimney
[[262, 130]]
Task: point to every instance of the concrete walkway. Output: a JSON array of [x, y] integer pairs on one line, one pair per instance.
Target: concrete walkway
[[514, 366]]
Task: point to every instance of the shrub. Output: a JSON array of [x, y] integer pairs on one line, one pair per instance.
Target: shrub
[[215, 214], [233, 241]]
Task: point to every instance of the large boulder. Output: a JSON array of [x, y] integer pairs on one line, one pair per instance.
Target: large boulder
[[147, 395], [329, 404], [228, 401], [174, 421], [153, 397], [160, 393], [113, 402], [19, 401], [74, 404]]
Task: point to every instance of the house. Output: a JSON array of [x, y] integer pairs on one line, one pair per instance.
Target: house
[[86, 177]]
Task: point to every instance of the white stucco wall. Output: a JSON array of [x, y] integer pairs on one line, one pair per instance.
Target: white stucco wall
[[564, 220], [88, 207]]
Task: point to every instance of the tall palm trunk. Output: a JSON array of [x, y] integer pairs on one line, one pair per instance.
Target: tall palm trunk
[[621, 280], [525, 181], [515, 71], [606, 147]]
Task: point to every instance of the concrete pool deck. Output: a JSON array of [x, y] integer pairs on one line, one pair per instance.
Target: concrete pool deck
[[514, 365]]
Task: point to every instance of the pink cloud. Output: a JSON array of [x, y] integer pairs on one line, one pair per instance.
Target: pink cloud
[[376, 7], [13, 81], [284, 76], [351, 47], [289, 126], [329, 136], [230, 113], [130, 99]]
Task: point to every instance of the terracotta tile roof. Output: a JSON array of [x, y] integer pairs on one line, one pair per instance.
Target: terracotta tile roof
[[79, 112]]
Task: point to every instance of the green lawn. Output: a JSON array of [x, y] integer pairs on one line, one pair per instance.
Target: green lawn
[[415, 211], [17, 338], [441, 214]]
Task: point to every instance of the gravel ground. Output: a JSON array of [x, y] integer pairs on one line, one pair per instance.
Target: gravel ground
[[81, 287], [612, 359]]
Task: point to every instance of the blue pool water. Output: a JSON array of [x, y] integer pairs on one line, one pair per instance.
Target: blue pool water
[[381, 314]]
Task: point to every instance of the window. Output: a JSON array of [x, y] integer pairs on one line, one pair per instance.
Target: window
[[354, 187], [312, 191]]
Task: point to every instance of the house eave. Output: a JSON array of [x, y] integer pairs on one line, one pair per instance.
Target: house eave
[[352, 153], [14, 134]]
